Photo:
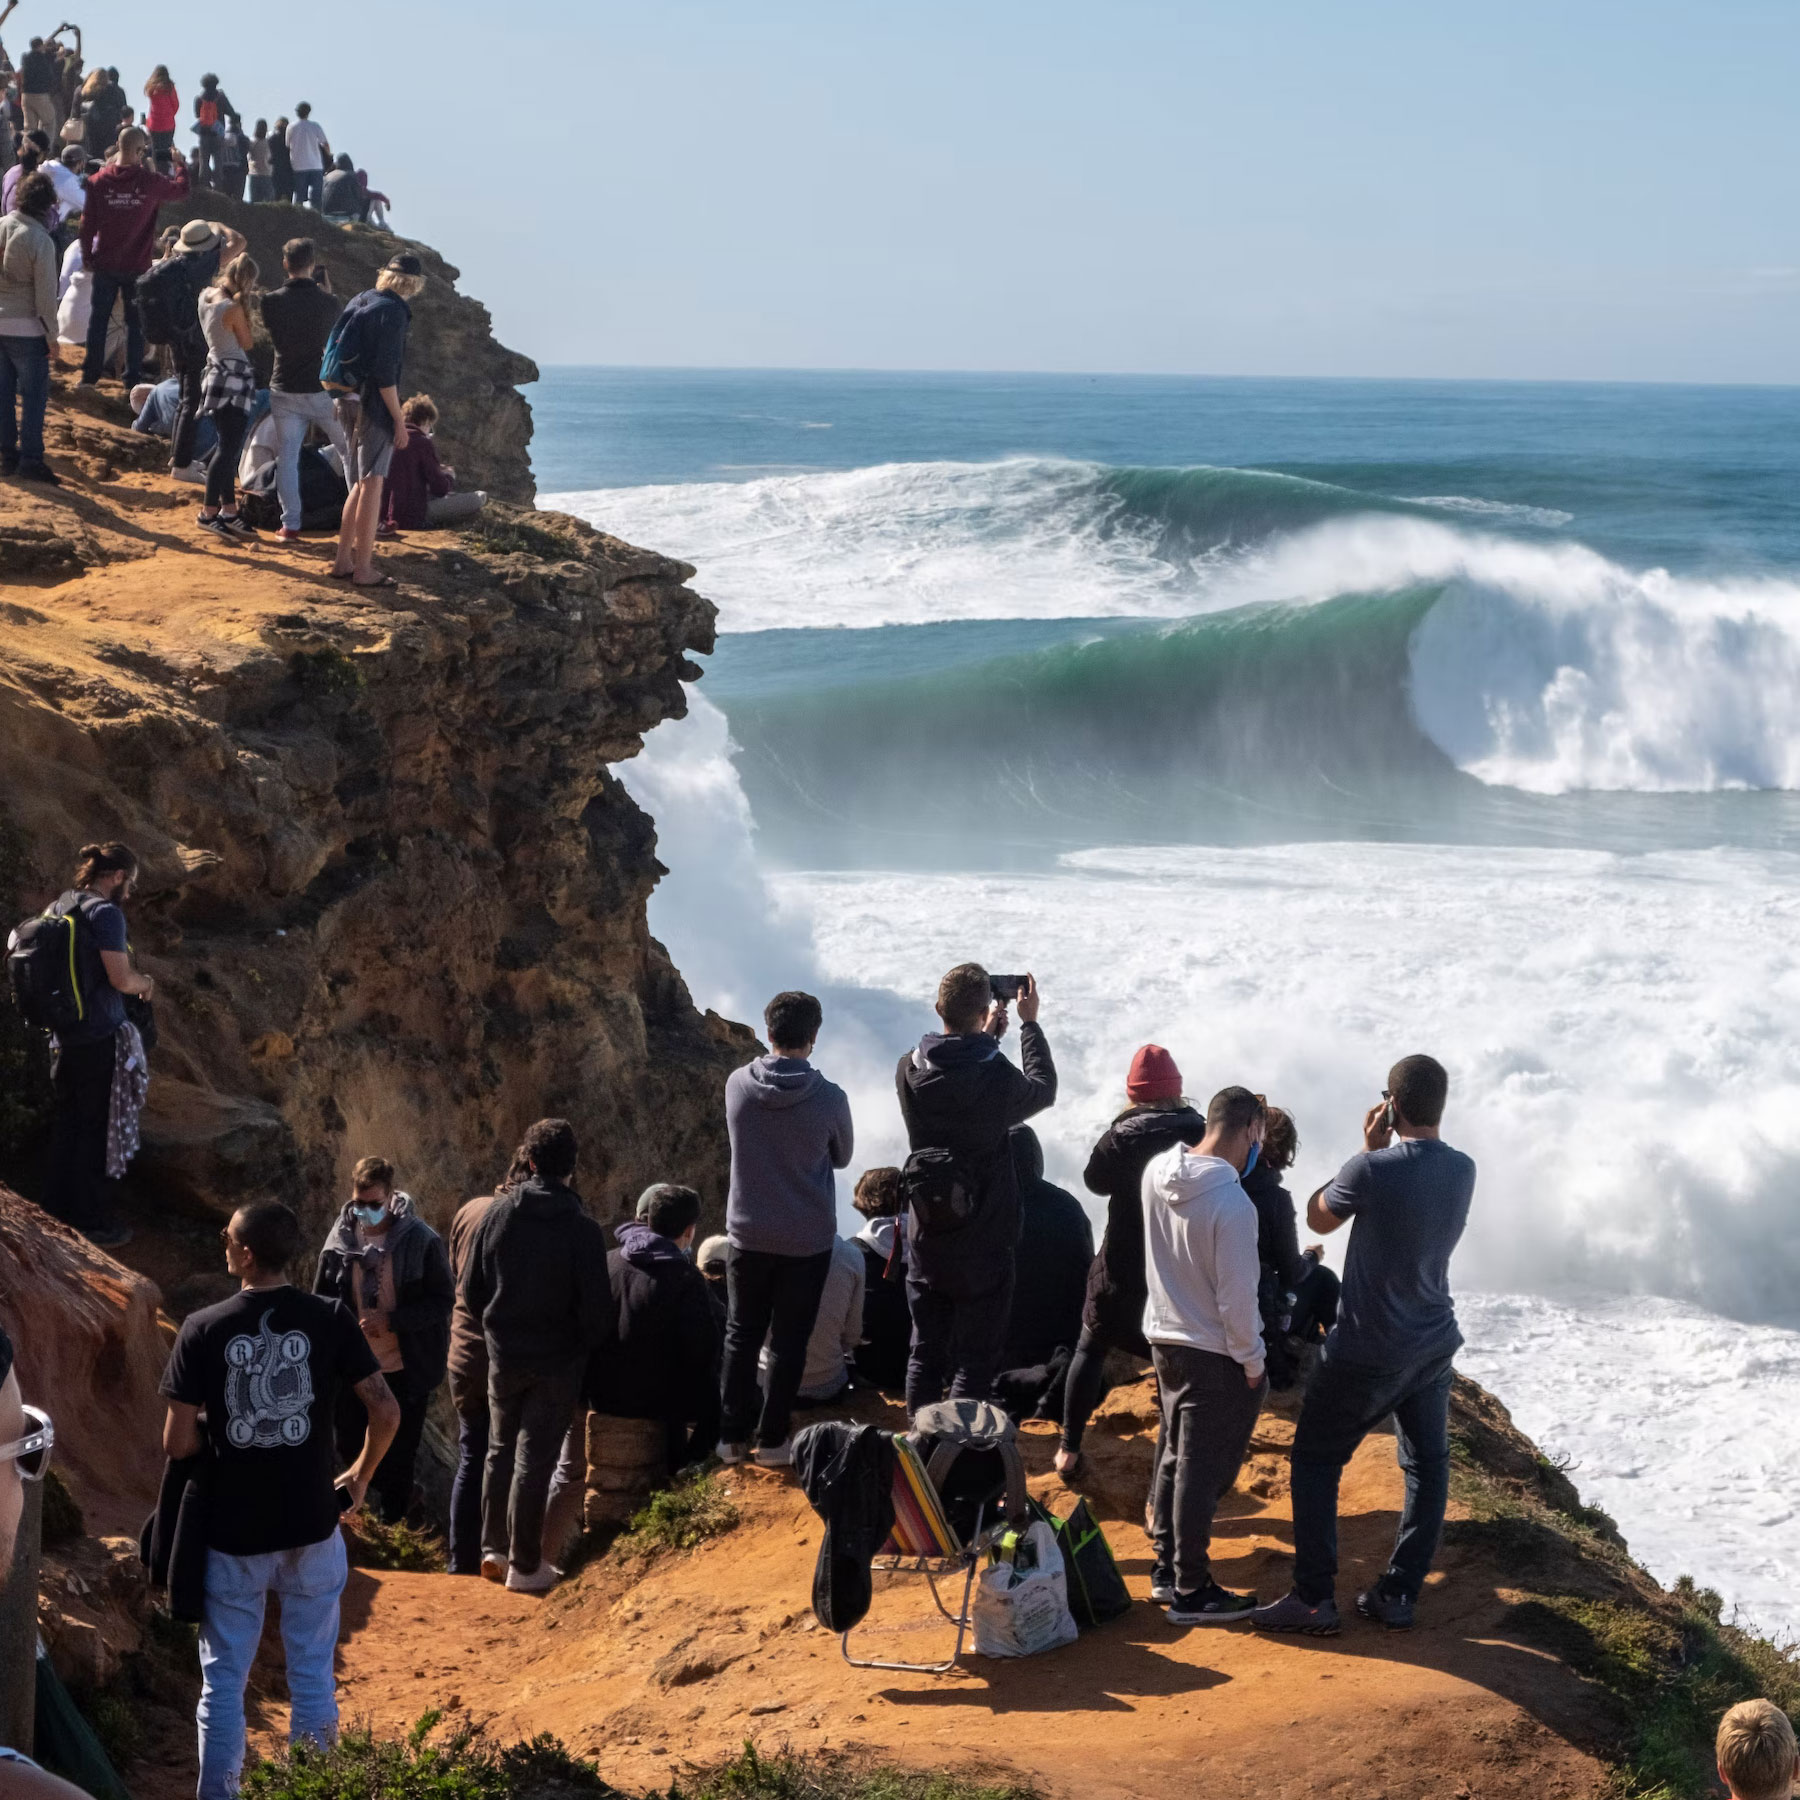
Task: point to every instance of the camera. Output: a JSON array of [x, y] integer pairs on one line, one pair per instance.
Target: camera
[[1008, 987]]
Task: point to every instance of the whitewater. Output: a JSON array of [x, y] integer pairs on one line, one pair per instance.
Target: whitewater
[[1296, 769]]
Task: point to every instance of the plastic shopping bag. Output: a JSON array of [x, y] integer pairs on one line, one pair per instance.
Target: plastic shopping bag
[[1020, 1611]]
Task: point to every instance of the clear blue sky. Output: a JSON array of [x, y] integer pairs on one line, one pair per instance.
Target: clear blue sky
[[1587, 190]]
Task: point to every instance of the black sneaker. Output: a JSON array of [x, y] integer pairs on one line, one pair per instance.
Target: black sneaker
[[1213, 1605], [1162, 1585], [1394, 1611], [40, 472], [236, 525], [1291, 1613], [9, 465], [215, 524]]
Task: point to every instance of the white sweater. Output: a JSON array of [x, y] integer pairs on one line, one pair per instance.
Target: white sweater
[[1200, 1257]]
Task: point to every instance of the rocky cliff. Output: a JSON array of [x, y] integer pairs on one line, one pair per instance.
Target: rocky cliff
[[393, 898]]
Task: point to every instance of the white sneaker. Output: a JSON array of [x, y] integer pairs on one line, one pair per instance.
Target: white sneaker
[[493, 1568], [541, 1579], [731, 1453], [780, 1456]]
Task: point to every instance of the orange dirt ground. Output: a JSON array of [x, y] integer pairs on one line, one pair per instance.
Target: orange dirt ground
[[683, 1660]]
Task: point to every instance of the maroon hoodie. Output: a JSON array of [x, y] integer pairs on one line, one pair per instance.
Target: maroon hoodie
[[118, 225]]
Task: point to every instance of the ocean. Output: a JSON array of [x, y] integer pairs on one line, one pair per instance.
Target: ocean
[[1294, 725]]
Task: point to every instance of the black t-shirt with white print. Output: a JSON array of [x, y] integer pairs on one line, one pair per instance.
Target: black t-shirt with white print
[[265, 1365]]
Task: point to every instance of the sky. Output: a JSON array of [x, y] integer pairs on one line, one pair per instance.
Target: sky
[[1582, 190]]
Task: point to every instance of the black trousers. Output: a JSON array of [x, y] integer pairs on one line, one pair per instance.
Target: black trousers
[[77, 1190], [392, 1486], [773, 1297], [528, 1418], [189, 356], [1208, 1413], [221, 465], [956, 1343]]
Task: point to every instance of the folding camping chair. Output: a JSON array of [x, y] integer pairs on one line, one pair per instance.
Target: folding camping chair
[[949, 1507]]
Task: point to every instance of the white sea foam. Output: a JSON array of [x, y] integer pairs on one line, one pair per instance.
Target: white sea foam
[[1496, 512]]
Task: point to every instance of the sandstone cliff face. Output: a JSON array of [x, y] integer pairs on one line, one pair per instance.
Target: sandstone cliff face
[[394, 901], [485, 432]]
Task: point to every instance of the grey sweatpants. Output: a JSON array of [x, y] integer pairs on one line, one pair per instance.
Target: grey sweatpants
[[1208, 1414]]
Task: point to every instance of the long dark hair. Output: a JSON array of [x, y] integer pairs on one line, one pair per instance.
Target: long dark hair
[[104, 859]]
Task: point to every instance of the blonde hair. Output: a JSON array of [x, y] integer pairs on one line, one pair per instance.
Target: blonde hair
[[238, 278], [391, 281], [1757, 1751], [420, 410]]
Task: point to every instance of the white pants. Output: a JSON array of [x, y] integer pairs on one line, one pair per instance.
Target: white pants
[[294, 413]]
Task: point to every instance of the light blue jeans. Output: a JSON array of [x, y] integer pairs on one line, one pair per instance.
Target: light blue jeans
[[293, 414], [310, 1581]]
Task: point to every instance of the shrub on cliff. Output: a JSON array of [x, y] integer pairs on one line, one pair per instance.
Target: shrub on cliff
[[788, 1776]]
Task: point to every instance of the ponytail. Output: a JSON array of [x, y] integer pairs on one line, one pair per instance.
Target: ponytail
[[104, 859]]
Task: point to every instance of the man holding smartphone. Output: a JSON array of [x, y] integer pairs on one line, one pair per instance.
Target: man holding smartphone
[[1390, 1352]]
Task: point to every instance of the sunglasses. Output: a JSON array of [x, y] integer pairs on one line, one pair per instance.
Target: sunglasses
[[32, 1452]]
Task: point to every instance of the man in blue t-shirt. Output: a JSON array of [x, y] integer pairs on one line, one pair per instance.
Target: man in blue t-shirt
[[81, 1069], [1391, 1351]]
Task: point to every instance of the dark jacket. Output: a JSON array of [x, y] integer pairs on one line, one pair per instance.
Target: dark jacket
[[960, 1094], [423, 1290], [536, 1278], [342, 196], [664, 1361], [847, 1472], [381, 321], [172, 1544], [1117, 1288], [299, 316], [1277, 1231], [881, 1357], [415, 478], [1056, 1249]]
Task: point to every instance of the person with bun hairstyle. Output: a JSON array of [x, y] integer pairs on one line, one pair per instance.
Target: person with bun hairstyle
[[83, 1057], [1156, 1117]]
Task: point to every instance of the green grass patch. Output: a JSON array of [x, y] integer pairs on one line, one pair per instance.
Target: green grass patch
[[681, 1516], [786, 1776], [379, 1546], [361, 1766], [501, 534]]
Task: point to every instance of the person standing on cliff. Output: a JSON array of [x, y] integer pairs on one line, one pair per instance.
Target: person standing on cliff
[[537, 1280], [388, 1266], [306, 147], [83, 1058], [298, 317], [1391, 1350], [790, 1128], [368, 348], [118, 231], [960, 1099]]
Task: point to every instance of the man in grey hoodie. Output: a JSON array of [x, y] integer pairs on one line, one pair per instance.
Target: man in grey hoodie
[[790, 1128], [1205, 1335]]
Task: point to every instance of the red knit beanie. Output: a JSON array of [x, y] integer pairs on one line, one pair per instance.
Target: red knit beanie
[[1153, 1076]]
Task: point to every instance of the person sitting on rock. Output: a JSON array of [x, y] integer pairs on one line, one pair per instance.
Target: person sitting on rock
[[536, 1279], [388, 1266], [265, 1367], [789, 1128], [664, 1362], [419, 495], [887, 1321], [1757, 1754], [1391, 1351]]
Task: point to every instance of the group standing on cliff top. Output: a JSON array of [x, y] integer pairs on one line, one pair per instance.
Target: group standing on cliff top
[[328, 443]]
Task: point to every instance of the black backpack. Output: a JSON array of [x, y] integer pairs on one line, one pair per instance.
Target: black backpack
[[940, 1191], [43, 967], [169, 299]]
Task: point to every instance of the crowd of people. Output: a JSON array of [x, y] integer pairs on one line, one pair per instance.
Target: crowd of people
[[328, 444]]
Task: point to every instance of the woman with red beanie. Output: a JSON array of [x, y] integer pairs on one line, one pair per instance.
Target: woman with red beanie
[[1113, 1318]]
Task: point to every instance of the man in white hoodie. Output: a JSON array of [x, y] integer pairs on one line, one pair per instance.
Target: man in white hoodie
[[1205, 1337]]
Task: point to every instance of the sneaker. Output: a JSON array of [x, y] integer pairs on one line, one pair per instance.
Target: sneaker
[[110, 1235], [775, 1456], [1162, 1585], [731, 1453], [493, 1568], [215, 524], [540, 1581], [39, 472], [1213, 1605], [1394, 1611], [1291, 1613], [236, 525]]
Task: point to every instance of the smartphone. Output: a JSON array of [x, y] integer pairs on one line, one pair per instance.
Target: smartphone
[[1387, 1115], [1008, 987]]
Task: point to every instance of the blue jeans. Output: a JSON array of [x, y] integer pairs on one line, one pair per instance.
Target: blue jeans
[[310, 1581], [1344, 1403], [309, 187], [294, 414], [107, 289], [465, 1492], [24, 378]]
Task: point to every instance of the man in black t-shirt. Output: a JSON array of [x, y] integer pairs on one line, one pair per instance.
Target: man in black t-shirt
[[264, 1368]]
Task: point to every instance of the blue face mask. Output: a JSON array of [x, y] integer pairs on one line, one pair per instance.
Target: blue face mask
[[371, 1215], [1253, 1158]]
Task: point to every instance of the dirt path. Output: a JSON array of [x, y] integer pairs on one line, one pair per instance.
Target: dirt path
[[708, 1649]]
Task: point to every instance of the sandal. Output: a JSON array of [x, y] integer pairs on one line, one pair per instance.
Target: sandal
[[380, 581]]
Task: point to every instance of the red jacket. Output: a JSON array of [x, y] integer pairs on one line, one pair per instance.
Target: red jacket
[[415, 476], [118, 224]]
